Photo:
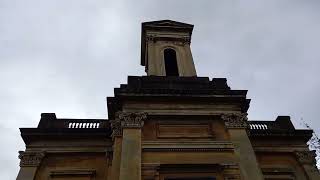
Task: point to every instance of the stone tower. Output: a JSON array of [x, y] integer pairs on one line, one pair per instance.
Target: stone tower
[[165, 49], [168, 125]]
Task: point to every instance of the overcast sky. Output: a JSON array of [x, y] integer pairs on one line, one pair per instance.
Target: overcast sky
[[66, 56]]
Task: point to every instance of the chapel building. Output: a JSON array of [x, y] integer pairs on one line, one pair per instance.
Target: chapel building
[[168, 125]]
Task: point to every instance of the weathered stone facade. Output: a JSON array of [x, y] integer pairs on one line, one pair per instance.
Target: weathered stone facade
[[164, 127]]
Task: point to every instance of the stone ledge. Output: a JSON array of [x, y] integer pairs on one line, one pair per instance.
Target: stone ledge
[[187, 146], [279, 148], [73, 172]]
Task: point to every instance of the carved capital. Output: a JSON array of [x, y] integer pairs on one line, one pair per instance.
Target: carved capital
[[116, 127], [306, 157], [235, 120], [131, 120], [150, 38], [186, 40], [30, 159]]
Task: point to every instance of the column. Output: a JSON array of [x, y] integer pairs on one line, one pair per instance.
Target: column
[[237, 126], [29, 163], [130, 165], [117, 143], [308, 162]]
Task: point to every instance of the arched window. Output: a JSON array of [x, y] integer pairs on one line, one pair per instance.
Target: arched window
[[170, 60]]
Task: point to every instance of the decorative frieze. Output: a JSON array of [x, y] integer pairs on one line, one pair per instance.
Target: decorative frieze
[[181, 39], [235, 120], [131, 120], [306, 157], [30, 159]]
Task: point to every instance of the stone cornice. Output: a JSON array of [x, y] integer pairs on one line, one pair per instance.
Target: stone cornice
[[165, 25], [30, 159], [280, 148], [30, 135], [235, 120], [303, 134], [181, 39], [73, 172], [131, 119], [198, 89]]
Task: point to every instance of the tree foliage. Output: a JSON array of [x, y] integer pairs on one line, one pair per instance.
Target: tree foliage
[[314, 144]]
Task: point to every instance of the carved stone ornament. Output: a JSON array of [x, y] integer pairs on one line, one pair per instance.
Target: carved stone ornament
[[306, 157], [186, 40], [30, 159], [235, 120], [178, 40], [131, 120], [150, 38], [116, 127]]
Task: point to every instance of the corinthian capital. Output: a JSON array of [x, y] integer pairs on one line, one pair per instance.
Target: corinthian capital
[[131, 120], [116, 127], [306, 157], [28, 159], [235, 120]]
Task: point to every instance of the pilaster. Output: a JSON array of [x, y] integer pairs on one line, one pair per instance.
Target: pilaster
[[236, 123], [117, 146], [308, 162], [29, 163], [130, 163]]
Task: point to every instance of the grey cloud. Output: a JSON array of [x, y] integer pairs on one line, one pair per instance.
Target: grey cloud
[[67, 56]]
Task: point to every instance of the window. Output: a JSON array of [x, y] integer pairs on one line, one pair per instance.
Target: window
[[170, 60]]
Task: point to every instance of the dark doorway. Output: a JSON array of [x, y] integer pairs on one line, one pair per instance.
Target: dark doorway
[[170, 60]]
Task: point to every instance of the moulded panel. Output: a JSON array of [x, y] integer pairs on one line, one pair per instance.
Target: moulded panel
[[184, 131]]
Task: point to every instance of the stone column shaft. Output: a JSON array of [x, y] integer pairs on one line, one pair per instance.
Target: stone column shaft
[[130, 168], [130, 162], [116, 159]]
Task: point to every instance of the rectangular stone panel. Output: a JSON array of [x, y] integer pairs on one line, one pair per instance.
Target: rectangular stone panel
[[184, 130]]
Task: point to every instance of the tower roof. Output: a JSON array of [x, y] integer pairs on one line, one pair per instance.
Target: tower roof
[[162, 25]]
